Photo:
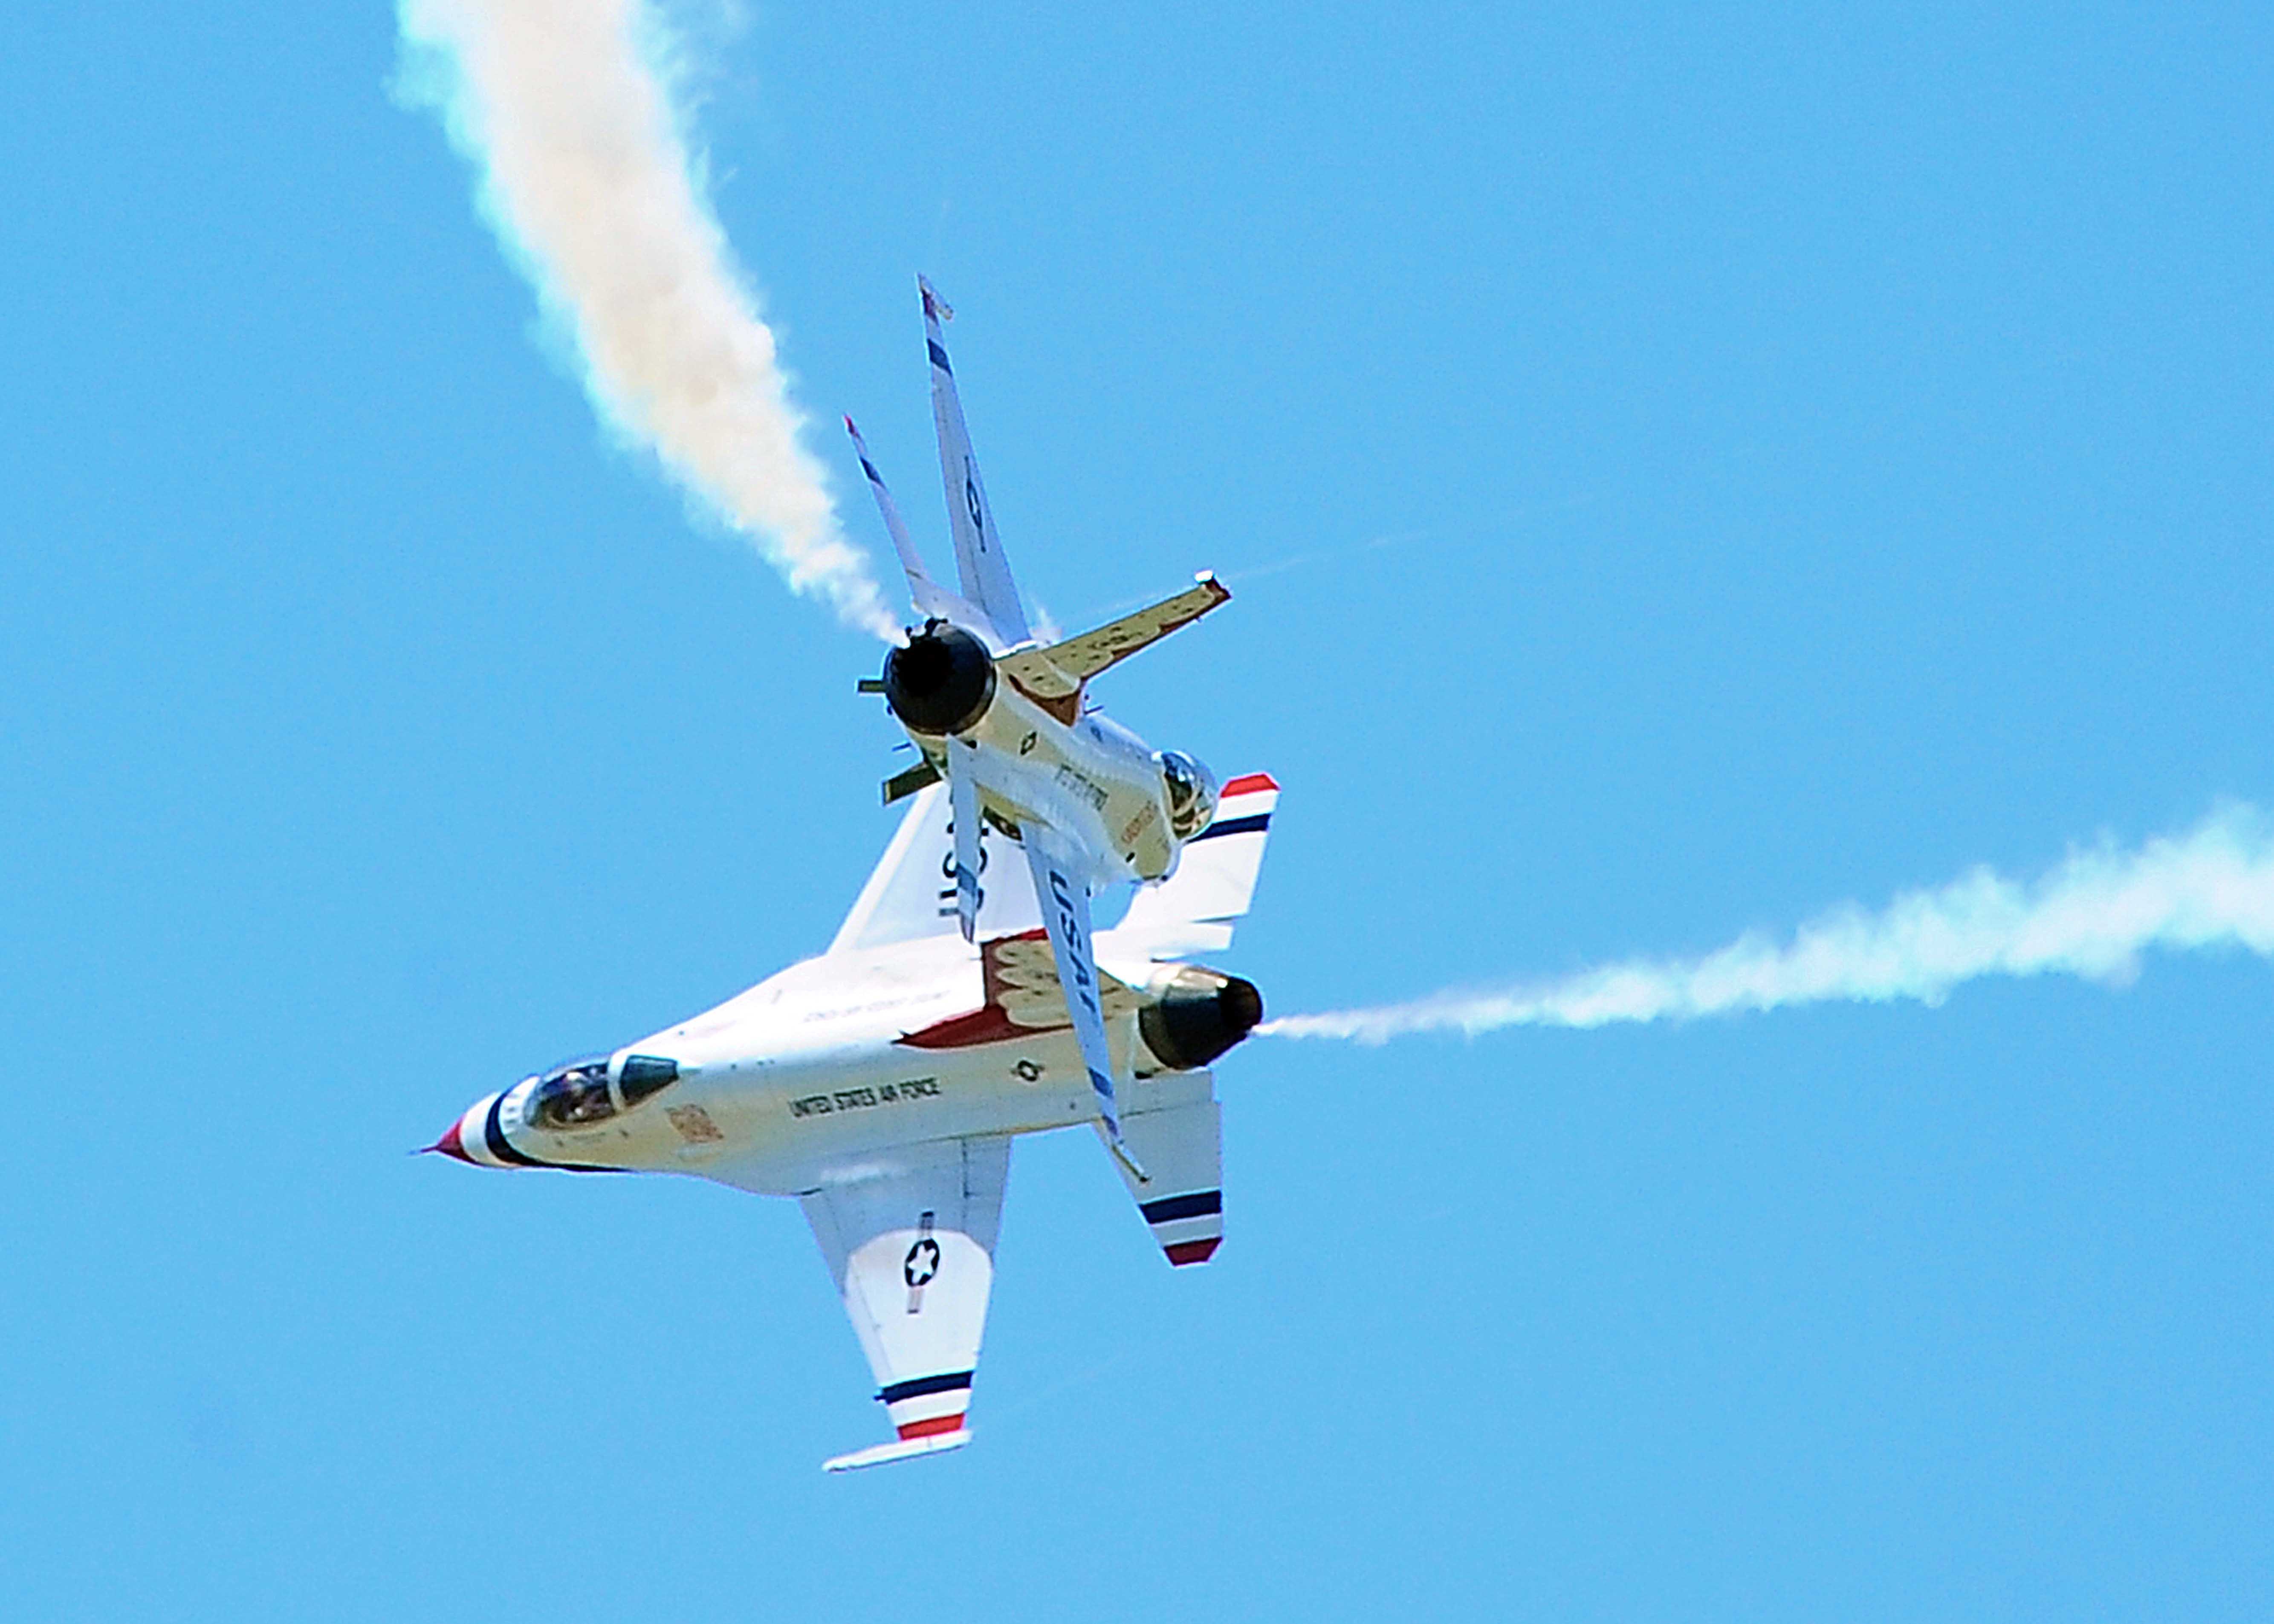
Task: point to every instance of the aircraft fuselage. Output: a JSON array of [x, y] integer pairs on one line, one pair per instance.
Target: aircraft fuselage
[[807, 1069], [1091, 779]]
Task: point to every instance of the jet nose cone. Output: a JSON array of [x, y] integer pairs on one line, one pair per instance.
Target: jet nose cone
[[448, 1145]]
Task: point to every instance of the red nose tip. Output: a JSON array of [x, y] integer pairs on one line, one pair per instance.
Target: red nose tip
[[448, 1145]]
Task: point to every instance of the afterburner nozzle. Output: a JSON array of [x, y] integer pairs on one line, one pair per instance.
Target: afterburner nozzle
[[942, 682], [1198, 1015]]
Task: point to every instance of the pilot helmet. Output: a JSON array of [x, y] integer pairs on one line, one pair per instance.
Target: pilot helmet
[[1192, 791]]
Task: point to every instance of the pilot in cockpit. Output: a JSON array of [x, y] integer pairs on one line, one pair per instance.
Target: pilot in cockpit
[[573, 1096], [1192, 793], [576, 1095]]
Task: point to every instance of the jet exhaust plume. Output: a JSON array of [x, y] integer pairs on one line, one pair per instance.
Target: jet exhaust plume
[[2092, 916], [565, 108]]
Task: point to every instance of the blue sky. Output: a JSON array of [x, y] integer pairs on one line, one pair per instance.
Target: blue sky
[[1678, 469]]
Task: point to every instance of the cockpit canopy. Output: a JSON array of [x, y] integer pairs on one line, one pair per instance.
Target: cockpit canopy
[[585, 1092], [1192, 793]]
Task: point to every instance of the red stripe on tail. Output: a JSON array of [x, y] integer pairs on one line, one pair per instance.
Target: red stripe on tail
[[931, 1428]]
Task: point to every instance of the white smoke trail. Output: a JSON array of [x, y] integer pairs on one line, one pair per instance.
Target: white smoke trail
[[2092, 916], [564, 109]]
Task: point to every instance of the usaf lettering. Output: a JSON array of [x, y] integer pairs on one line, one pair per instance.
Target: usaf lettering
[[1069, 922]]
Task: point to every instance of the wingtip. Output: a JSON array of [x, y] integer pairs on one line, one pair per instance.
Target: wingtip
[[904, 1450]]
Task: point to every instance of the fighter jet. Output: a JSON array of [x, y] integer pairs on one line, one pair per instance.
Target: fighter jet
[[882, 1083], [1004, 718]]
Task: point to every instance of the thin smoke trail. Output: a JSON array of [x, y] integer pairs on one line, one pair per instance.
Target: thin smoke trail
[[2092, 916], [565, 108]]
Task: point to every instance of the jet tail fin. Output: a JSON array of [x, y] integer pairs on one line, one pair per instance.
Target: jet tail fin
[[1192, 911], [980, 562]]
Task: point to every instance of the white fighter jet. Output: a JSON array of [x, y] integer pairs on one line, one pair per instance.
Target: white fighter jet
[[882, 1082], [1004, 719]]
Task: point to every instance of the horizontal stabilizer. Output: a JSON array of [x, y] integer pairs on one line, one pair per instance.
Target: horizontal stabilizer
[[1059, 671], [1173, 1126], [907, 1448]]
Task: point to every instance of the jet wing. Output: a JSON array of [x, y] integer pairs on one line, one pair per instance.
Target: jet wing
[[1022, 994], [1059, 670], [1063, 892], [979, 559], [910, 1239]]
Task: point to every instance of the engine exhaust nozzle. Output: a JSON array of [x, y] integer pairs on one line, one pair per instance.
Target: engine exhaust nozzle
[[941, 682], [1197, 1016]]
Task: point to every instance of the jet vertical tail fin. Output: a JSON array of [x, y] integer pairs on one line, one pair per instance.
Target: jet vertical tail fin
[[980, 562], [912, 894], [1192, 911]]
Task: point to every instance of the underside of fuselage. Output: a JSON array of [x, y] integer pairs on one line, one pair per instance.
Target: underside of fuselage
[[1091, 779], [777, 1115]]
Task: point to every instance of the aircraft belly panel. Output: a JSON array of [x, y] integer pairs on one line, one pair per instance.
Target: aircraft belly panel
[[1097, 788]]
